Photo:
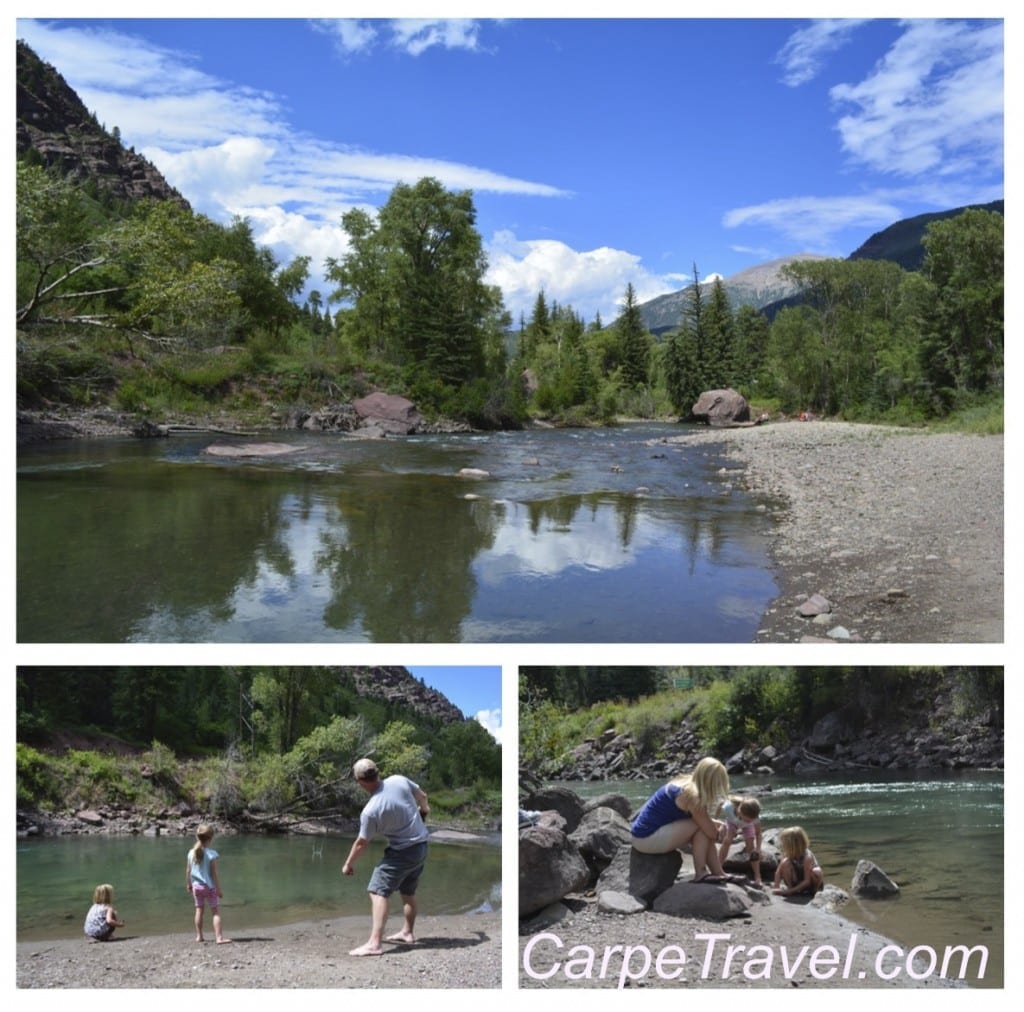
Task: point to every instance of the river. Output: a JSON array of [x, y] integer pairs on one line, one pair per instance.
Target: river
[[596, 535], [266, 881], [939, 837]]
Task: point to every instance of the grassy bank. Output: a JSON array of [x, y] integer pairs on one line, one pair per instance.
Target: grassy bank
[[152, 782]]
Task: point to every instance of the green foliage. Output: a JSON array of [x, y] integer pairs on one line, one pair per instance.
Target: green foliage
[[464, 753], [735, 707], [37, 781], [396, 750], [415, 281], [635, 342], [63, 370]]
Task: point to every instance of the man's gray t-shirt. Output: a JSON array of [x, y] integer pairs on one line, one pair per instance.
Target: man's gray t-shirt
[[393, 812]]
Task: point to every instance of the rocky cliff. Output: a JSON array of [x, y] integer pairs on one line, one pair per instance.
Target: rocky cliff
[[397, 686], [54, 128]]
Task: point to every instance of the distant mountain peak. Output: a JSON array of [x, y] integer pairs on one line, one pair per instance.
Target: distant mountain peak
[[756, 286]]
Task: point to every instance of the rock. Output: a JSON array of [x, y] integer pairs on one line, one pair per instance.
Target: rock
[[721, 408], [562, 800], [250, 449], [611, 902], [816, 604], [641, 875], [89, 817], [473, 472], [828, 732], [599, 836], [700, 900], [870, 880], [550, 867], [551, 915], [393, 414], [617, 802]]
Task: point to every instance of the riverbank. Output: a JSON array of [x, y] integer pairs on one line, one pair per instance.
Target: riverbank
[[462, 951], [900, 531], [784, 943]]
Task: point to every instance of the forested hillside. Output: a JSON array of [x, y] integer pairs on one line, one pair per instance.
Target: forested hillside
[[666, 718], [254, 745]]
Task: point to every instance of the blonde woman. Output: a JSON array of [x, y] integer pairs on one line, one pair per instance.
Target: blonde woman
[[679, 813], [203, 882]]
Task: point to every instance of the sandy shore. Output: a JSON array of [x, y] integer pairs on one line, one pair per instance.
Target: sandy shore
[[784, 943], [901, 531], [451, 952]]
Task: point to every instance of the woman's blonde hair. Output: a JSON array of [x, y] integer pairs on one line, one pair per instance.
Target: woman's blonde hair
[[204, 834], [793, 842], [103, 894], [707, 785]]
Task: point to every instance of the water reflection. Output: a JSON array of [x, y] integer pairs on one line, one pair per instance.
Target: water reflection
[[383, 542]]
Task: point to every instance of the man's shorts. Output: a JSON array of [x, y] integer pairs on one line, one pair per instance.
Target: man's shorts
[[203, 895], [399, 870]]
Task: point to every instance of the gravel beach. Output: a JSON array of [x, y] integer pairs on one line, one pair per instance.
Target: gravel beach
[[900, 531], [462, 951], [785, 943]]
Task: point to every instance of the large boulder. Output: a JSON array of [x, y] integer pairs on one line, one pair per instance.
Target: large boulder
[[704, 900], [568, 804], [388, 413], [550, 867], [600, 835], [617, 802], [641, 875], [870, 880], [721, 408]]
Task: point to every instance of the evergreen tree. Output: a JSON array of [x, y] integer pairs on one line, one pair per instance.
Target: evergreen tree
[[635, 342], [720, 329], [750, 342]]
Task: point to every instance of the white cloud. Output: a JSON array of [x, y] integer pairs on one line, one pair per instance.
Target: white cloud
[[411, 35], [592, 281], [490, 720], [416, 35], [806, 50], [815, 221], [933, 104]]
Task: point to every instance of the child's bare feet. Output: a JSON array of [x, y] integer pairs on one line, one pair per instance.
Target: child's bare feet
[[224, 941], [402, 936], [366, 950]]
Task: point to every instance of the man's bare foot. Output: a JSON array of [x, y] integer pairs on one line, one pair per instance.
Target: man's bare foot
[[402, 936], [199, 938], [366, 950], [224, 941]]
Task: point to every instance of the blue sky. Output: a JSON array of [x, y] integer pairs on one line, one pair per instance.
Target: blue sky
[[600, 152], [476, 691]]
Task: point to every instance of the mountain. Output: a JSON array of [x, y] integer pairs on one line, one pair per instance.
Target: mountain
[[902, 242], [55, 129], [397, 687], [763, 287], [756, 286]]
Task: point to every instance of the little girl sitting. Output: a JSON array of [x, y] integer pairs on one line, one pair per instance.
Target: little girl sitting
[[102, 919], [798, 871]]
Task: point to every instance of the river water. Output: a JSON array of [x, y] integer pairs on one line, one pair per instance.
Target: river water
[[598, 535], [266, 881], [940, 838]]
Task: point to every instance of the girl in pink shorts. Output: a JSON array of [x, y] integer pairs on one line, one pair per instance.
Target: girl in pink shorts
[[203, 882]]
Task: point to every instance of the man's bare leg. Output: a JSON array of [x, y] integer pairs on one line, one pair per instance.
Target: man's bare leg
[[409, 913], [378, 917]]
